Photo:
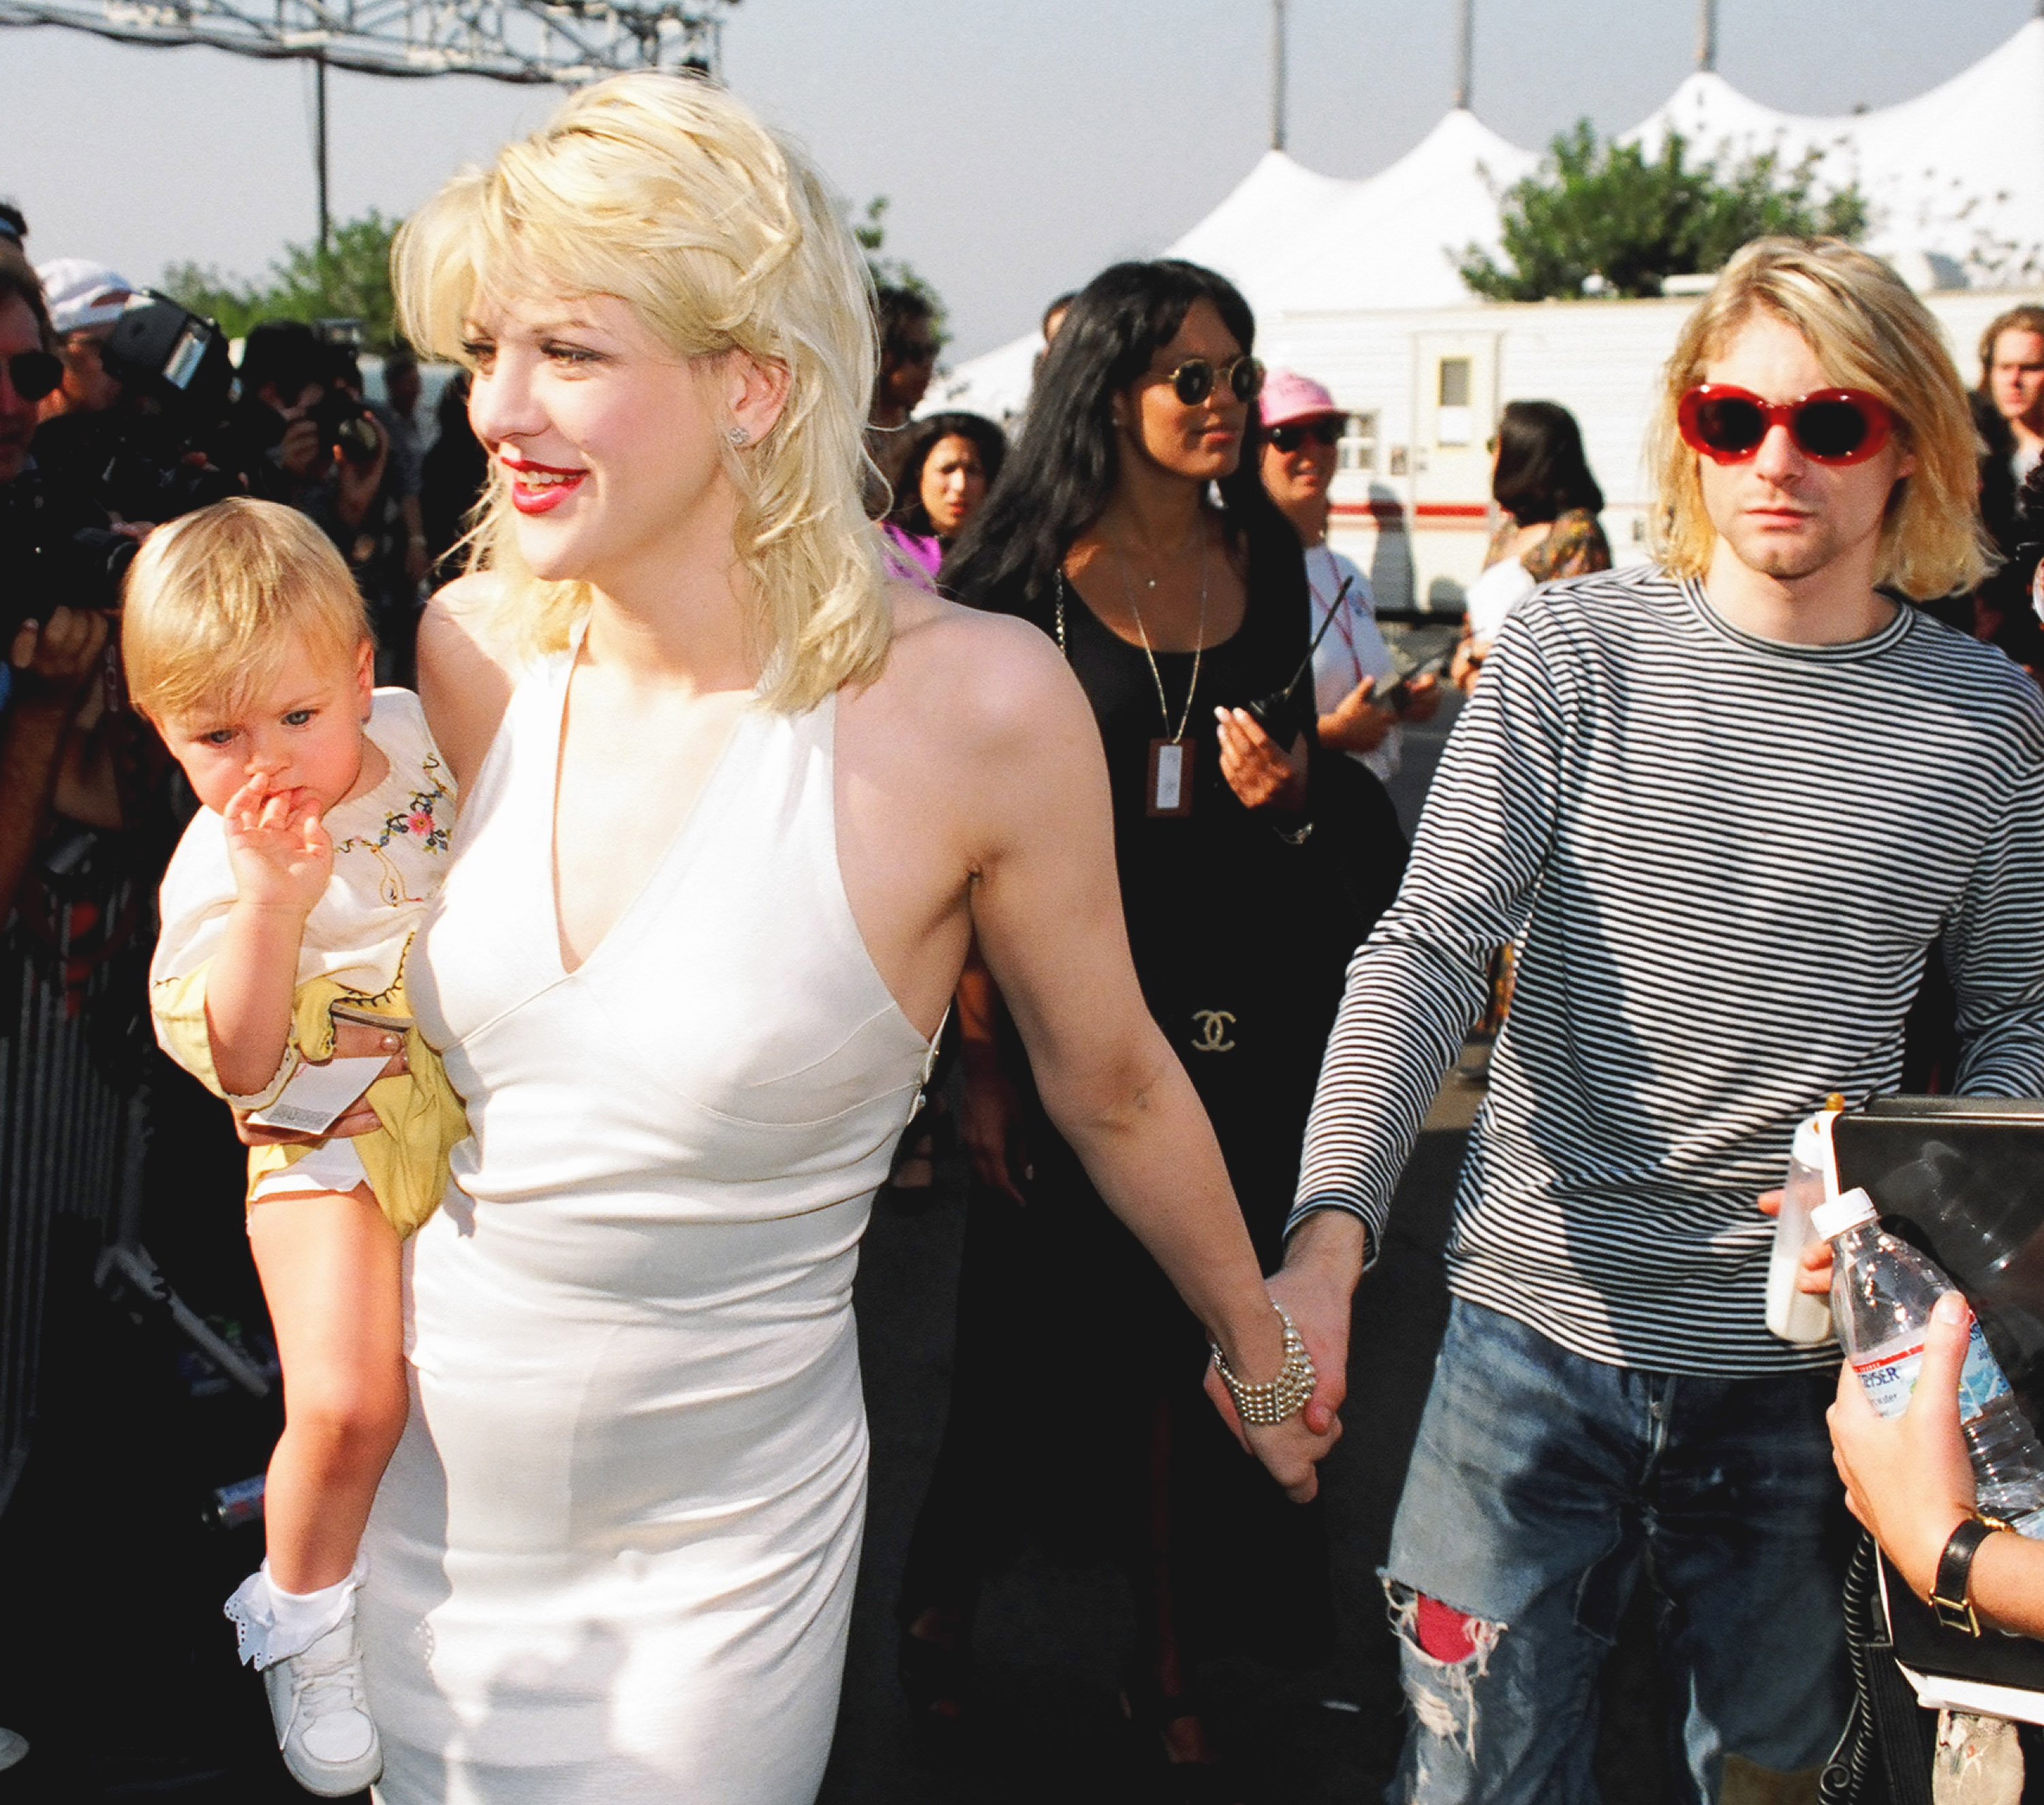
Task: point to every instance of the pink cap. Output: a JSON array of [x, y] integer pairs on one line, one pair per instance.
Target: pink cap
[[1288, 395]]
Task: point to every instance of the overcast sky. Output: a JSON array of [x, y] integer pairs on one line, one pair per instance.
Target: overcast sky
[[1023, 143]]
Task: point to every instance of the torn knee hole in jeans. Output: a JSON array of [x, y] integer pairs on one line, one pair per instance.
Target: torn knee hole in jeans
[[1451, 1651]]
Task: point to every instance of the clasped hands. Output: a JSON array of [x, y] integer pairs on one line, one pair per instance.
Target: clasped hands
[[1315, 1285]]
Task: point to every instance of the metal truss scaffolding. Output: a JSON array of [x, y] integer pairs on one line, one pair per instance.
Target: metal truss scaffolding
[[567, 41]]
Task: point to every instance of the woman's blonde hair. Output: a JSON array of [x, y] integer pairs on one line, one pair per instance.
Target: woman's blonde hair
[[216, 605], [1868, 332], [664, 191]]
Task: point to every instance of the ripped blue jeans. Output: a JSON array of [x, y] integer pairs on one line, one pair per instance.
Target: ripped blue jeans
[[1542, 1487]]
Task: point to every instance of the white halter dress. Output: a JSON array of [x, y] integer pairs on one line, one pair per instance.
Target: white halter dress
[[613, 1560]]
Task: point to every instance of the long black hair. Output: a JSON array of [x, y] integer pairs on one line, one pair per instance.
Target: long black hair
[[1541, 470], [908, 514], [1060, 475]]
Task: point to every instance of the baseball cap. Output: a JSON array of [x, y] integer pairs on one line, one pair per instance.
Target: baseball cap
[[1288, 395], [82, 294]]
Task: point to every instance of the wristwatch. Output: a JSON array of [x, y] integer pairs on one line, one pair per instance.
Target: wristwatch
[[1949, 1598]]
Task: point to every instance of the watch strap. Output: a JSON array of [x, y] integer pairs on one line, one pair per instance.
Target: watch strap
[[1951, 1598]]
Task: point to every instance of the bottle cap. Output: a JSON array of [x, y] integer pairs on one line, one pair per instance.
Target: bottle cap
[[1848, 1210], [1808, 1148]]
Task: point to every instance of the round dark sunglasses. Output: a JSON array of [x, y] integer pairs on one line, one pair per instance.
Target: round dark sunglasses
[[1829, 426], [1197, 378], [34, 374], [1321, 432]]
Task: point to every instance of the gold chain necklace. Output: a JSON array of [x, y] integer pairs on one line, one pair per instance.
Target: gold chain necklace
[[1141, 633]]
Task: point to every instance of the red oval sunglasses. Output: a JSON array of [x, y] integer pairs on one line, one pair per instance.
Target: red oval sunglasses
[[1829, 426]]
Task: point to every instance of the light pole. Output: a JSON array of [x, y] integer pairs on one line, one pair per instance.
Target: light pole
[[319, 154], [1277, 73]]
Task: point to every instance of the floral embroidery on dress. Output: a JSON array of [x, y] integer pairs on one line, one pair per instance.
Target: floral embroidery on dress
[[419, 826]]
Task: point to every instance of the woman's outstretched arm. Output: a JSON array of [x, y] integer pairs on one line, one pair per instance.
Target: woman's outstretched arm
[[1046, 910]]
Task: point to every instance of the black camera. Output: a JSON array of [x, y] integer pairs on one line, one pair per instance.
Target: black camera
[[348, 425], [169, 354], [174, 366], [56, 550], [345, 423]]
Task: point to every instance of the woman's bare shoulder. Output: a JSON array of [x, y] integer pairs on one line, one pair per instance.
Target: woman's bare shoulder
[[461, 611], [465, 672], [986, 675]]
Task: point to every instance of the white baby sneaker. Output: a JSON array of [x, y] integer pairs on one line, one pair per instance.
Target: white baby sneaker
[[303, 1644], [324, 1729]]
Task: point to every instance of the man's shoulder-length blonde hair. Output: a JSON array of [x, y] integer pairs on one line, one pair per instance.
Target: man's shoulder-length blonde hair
[[1868, 331], [665, 192]]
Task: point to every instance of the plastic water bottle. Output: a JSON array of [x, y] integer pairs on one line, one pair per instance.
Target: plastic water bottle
[[1797, 1316], [1883, 1292]]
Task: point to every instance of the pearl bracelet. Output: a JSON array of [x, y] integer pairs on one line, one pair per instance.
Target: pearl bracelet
[[1279, 1398]]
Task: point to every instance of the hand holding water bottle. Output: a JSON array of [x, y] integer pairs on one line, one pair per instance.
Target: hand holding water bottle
[[1909, 1479], [1885, 1295]]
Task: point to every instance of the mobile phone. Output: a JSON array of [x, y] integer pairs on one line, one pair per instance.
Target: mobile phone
[[1402, 691]]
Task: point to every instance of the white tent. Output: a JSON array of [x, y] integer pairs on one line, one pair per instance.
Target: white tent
[[1395, 239], [1955, 178]]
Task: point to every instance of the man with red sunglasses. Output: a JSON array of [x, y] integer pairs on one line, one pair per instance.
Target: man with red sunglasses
[[1730, 799]]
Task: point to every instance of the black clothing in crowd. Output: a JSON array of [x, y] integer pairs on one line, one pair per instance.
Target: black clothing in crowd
[[1240, 939]]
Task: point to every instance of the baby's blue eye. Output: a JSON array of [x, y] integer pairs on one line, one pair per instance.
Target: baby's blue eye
[[298, 717], [219, 737]]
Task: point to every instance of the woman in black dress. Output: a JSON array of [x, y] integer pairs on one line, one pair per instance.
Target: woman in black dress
[[1131, 524]]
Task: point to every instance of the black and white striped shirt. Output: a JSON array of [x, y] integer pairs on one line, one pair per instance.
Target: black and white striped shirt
[[1728, 857]]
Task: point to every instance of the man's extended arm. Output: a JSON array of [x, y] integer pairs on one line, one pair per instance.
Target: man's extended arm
[[1417, 986]]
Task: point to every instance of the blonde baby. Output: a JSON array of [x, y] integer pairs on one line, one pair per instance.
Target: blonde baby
[[326, 823]]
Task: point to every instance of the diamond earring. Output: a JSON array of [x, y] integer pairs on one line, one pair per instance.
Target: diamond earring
[[738, 435]]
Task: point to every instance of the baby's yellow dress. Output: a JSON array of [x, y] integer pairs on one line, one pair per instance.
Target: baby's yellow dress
[[390, 849]]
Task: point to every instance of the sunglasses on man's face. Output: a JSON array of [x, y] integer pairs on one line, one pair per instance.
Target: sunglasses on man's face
[[1828, 426], [34, 374], [1197, 378], [913, 351], [1290, 438]]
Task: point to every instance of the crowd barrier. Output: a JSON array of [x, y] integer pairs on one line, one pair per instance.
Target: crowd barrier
[[73, 1106]]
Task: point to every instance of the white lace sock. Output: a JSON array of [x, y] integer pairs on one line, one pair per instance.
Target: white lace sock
[[271, 1624]]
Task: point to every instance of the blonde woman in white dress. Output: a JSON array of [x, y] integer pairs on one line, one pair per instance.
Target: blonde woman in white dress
[[732, 809]]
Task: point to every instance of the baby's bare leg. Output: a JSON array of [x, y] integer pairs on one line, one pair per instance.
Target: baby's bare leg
[[329, 1266]]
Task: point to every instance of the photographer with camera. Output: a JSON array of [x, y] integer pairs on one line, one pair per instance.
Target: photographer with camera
[[86, 300], [82, 417], [386, 551], [296, 436], [55, 635]]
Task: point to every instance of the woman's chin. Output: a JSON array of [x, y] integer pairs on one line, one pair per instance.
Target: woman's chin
[[552, 556]]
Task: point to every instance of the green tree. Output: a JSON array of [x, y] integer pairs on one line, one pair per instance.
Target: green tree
[[1608, 216], [351, 280], [871, 233]]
